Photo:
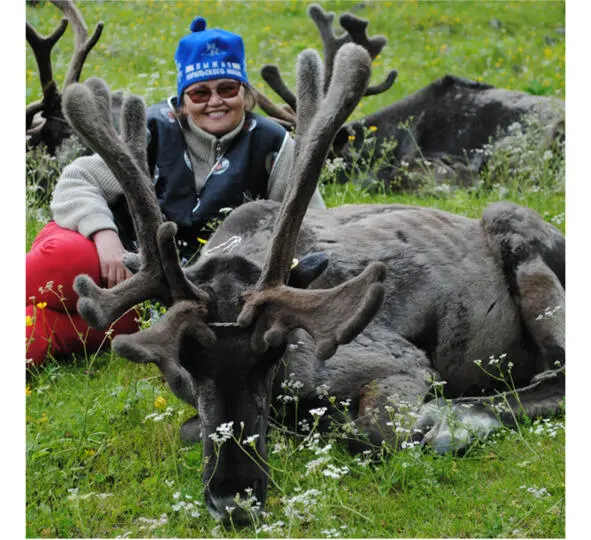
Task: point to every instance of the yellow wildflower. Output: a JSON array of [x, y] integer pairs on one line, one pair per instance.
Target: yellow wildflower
[[201, 241], [351, 137], [29, 320], [373, 129], [160, 402], [41, 305], [28, 390]]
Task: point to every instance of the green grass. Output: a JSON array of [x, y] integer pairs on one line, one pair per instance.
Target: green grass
[[517, 45], [86, 419], [87, 431]]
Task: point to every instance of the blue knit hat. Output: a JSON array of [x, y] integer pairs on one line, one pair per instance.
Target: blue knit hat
[[209, 54]]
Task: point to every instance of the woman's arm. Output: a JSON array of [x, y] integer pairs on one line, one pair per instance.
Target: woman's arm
[[81, 202], [82, 196], [279, 176]]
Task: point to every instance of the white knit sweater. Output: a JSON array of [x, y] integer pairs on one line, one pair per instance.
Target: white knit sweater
[[86, 187]]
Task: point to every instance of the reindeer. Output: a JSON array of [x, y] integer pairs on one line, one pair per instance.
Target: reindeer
[[451, 290], [439, 128]]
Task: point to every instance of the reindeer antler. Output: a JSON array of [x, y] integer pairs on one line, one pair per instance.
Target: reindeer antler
[[355, 32], [88, 110], [50, 105], [332, 316], [82, 43]]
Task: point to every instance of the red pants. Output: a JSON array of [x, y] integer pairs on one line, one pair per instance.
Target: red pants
[[57, 256]]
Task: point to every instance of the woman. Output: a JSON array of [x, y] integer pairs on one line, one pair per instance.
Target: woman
[[207, 153]]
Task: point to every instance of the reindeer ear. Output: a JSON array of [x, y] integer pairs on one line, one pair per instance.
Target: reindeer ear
[[306, 270]]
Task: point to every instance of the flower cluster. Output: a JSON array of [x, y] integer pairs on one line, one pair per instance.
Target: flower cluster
[[188, 506], [223, 433], [301, 506], [158, 417], [546, 426], [538, 493]]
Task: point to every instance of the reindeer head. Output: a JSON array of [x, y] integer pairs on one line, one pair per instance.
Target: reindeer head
[[228, 319]]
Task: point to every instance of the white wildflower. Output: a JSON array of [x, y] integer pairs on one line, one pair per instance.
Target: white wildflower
[[333, 471], [536, 492], [316, 464], [251, 440], [223, 432], [318, 412], [322, 390]]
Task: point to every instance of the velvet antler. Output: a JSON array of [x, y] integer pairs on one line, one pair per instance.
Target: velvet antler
[[355, 32], [88, 110], [49, 106], [333, 316]]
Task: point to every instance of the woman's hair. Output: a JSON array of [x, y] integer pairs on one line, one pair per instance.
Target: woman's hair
[[249, 99]]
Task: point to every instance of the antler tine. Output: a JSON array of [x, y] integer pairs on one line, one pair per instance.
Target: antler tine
[[271, 75], [279, 114], [42, 46], [384, 85], [82, 43], [160, 344], [310, 80], [352, 70], [357, 29], [133, 130], [331, 43], [88, 109]]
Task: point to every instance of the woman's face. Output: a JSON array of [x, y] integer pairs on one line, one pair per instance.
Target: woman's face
[[216, 106]]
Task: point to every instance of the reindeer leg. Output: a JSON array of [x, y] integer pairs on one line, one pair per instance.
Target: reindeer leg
[[387, 410], [541, 301], [532, 255], [452, 425]]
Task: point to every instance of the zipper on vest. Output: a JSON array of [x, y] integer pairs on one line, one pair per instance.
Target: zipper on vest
[[218, 157]]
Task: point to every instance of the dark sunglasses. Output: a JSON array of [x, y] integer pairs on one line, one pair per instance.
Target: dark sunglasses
[[225, 90]]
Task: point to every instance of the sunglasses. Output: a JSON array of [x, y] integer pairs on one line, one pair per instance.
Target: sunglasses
[[225, 90]]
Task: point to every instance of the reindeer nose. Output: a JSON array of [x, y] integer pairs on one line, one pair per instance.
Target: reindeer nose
[[240, 506]]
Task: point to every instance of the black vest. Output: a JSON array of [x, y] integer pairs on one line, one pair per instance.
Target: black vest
[[241, 174]]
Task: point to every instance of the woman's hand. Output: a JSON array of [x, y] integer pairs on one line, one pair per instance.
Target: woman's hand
[[110, 252]]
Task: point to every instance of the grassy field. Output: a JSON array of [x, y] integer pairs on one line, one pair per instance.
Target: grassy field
[[102, 451]]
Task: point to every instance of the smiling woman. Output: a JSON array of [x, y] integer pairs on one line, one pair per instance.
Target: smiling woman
[[207, 153]]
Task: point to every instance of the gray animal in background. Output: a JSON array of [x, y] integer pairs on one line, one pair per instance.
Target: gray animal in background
[[439, 128], [241, 320]]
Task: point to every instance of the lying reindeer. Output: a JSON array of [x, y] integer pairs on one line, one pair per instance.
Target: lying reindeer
[[453, 289], [439, 129]]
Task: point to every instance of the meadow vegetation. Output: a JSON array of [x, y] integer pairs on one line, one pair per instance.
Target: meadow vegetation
[[103, 454]]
